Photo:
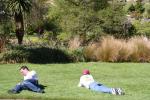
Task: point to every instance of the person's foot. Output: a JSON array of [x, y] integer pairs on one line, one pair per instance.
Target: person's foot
[[12, 92], [120, 91], [41, 91], [117, 91], [114, 91]]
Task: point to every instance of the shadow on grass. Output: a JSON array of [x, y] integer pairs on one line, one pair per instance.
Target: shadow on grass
[[42, 86]]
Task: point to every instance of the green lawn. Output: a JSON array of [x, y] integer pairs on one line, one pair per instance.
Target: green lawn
[[62, 79]]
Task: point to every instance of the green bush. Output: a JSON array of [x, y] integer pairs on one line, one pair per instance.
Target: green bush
[[15, 56], [147, 10], [35, 55], [64, 36], [31, 29], [47, 55], [131, 8], [142, 27], [139, 7], [78, 55]]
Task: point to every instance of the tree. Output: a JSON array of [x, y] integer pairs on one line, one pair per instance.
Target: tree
[[79, 17], [5, 20], [139, 7], [89, 19], [17, 8], [114, 19], [35, 20], [3, 12]]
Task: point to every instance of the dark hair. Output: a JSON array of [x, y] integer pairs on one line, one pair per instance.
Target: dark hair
[[24, 67]]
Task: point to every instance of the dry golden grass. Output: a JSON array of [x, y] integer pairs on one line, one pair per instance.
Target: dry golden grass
[[140, 49], [125, 51], [90, 50], [108, 50], [136, 49], [75, 43], [2, 44]]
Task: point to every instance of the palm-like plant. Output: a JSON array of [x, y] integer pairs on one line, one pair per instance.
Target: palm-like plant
[[18, 8]]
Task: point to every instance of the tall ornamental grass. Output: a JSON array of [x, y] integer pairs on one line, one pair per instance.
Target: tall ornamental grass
[[108, 49], [2, 44], [135, 49], [140, 47]]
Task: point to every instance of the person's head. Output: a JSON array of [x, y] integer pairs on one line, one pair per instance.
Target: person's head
[[85, 72], [24, 70]]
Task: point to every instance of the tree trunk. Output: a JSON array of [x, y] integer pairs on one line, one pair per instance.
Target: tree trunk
[[19, 27]]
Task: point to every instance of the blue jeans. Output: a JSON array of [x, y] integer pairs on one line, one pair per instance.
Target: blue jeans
[[27, 85], [100, 88]]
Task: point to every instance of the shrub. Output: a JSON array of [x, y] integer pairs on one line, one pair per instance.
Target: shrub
[[47, 55], [142, 27], [139, 7], [147, 10], [64, 36], [35, 55], [15, 56], [77, 55], [131, 8]]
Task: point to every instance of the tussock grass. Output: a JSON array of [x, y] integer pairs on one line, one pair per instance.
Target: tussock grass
[[74, 43], [108, 50], [135, 49], [140, 49], [2, 44], [89, 52]]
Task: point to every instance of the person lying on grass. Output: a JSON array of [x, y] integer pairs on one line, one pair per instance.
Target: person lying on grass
[[30, 82], [87, 81]]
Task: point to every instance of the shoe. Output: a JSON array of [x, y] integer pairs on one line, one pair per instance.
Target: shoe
[[120, 91], [41, 91], [114, 91], [12, 92]]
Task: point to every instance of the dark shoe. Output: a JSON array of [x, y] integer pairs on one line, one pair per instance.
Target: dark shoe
[[41, 91], [12, 92]]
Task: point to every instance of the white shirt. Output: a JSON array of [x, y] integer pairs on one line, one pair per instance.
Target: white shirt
[[85, 81], [31, 75]]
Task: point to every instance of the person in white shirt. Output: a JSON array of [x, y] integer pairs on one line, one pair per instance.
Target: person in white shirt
[[30, 82], [87, 81]]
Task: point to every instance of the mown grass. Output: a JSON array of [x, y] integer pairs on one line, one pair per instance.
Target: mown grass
[[62, 79]]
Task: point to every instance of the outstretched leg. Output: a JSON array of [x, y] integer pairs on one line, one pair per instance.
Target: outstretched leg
[[26, 85], [17, 89], [100, 88]]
